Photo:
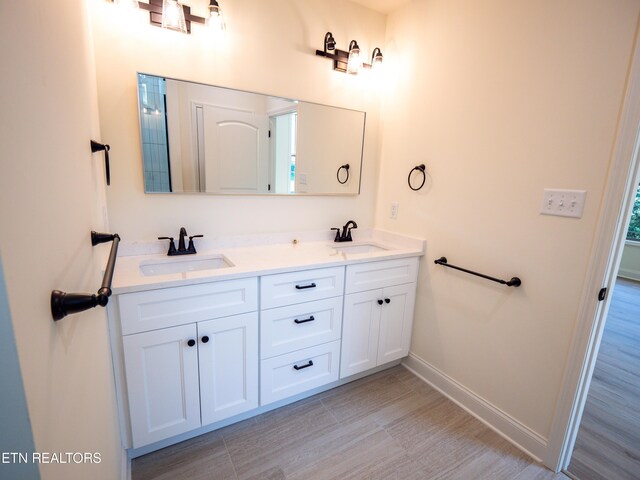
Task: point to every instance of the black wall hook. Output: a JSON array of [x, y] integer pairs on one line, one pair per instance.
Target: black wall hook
[[420, 168], [99, 147], [346, 168]]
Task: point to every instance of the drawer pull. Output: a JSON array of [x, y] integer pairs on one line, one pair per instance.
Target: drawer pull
[[303, 287], [310, 364], [310, 319], [380, 302], [387, 300]]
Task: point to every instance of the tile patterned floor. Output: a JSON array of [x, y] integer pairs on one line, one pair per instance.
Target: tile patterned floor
[[608, 442], [389, 426]]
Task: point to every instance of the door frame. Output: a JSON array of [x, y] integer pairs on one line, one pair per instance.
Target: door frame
[[617, 201]]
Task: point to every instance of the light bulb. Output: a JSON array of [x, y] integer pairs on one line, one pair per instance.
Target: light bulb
[[173, 16], [354, 62], [376, 59], [215, 21]]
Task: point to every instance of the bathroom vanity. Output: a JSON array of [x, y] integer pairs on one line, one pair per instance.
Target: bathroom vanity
[[251, 324]]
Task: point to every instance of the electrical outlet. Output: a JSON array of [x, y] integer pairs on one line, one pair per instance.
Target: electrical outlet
[[564, 203], [394, 210]]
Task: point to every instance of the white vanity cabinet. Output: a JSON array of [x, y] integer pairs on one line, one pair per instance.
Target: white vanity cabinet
[[300, 330], [378, 313], [182, 377], [194, 356]]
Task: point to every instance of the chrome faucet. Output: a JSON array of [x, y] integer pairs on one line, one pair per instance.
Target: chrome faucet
[[182, 250], [345, 236]]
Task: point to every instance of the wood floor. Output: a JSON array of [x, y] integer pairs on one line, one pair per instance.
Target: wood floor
[[608, 442], [389, 426]]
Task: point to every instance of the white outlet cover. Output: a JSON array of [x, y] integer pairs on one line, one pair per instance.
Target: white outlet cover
[[563, 203], [394, 210]]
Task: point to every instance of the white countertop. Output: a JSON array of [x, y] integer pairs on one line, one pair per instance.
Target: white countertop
[[253, 255]]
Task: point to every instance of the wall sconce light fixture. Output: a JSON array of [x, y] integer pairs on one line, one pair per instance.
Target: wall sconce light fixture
[[172, 14], [215, 21], [354, 62], [376, 58], [347, 61]]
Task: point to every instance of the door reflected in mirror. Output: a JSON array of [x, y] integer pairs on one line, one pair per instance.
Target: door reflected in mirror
[[204, 139]]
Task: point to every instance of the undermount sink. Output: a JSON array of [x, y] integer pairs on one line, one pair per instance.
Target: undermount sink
[[183, 265], [359, 248]]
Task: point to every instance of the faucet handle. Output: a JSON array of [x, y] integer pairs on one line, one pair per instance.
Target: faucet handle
[[337, 239], [192, 248], [172, 246]]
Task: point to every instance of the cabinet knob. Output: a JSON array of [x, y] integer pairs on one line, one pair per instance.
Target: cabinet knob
[[191, 342], [387, 300], [379, 302], [205, 339]]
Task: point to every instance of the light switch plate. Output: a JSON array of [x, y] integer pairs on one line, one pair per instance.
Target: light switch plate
[[564, 203]]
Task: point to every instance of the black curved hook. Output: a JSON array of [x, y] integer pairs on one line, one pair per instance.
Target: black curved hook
[[346, 167], [419, 168]]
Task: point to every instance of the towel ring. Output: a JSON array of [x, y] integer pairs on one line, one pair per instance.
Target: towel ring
[[346, 167], [420, 168]]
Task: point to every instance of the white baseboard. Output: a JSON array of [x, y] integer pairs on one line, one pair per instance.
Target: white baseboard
[[629, 274], [511, 429]]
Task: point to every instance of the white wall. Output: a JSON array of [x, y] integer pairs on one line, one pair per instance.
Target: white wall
[[51, 196], [501, 99], [630, 263], [269, 48], [319, 159]]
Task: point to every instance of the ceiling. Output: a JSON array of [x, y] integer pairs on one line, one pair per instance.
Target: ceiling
[[382, 6]]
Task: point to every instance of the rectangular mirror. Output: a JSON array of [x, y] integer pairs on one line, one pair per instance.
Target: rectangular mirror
[[204, 139]]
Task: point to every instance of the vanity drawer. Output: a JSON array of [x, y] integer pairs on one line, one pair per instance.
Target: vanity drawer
[[373, 275], [168, 307], [303, 286], [303, 325], [316, 366]]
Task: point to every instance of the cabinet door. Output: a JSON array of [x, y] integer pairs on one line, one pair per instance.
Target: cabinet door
[[360, 331], [228, 349], [396, 322], [162, 383]]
